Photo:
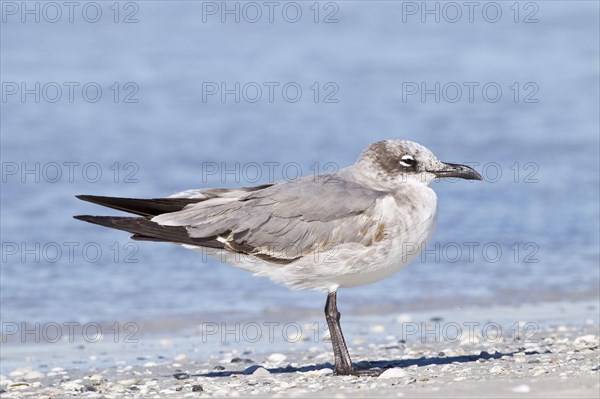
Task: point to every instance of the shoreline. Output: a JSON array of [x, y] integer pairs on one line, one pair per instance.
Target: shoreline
[[578, 310], [548, 350]]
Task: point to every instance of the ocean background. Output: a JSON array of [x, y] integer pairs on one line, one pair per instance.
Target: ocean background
[[162, 131]]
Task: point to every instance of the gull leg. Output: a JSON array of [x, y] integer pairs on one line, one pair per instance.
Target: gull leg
[[343, 363]]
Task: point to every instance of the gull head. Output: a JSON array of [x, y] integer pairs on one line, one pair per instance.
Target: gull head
[[393, 162]]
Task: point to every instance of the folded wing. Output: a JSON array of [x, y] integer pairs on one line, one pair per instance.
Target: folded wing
[[277, 223]]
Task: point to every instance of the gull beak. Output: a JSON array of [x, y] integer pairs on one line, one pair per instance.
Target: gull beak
[[457, 170]]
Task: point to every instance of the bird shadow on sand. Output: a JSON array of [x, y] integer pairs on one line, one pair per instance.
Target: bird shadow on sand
[[369, 365]]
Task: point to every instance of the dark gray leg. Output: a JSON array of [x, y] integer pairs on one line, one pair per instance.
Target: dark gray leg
[[343, 363]]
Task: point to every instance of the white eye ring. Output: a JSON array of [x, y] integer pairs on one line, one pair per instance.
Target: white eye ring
[[407, 160]]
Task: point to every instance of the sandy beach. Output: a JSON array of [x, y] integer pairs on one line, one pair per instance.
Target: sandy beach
[[538, 350]]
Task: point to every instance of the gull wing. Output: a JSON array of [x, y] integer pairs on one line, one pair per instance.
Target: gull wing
[[278, 223], [285, 221]]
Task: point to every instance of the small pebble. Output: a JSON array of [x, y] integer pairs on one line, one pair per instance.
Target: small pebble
[[277, 357], [73, 386], [325, 371], [392, 373], [497, 370], [181, 376], [18, 385], [585, 342], [130, 382], [261, 372]]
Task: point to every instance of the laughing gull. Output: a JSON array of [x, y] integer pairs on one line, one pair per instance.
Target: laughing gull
[[354, 227]]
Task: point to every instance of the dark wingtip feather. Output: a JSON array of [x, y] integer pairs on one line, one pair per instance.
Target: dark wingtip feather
[[144, 229], [141, 207], [96, 199], [101, 220], [85, 218]]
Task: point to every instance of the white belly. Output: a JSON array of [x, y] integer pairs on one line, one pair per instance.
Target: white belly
[[413, 228]]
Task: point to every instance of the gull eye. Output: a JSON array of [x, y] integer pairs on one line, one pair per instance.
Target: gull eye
[[407, 161]]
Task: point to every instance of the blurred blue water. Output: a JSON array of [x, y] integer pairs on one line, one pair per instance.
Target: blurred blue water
[[550, 207]]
